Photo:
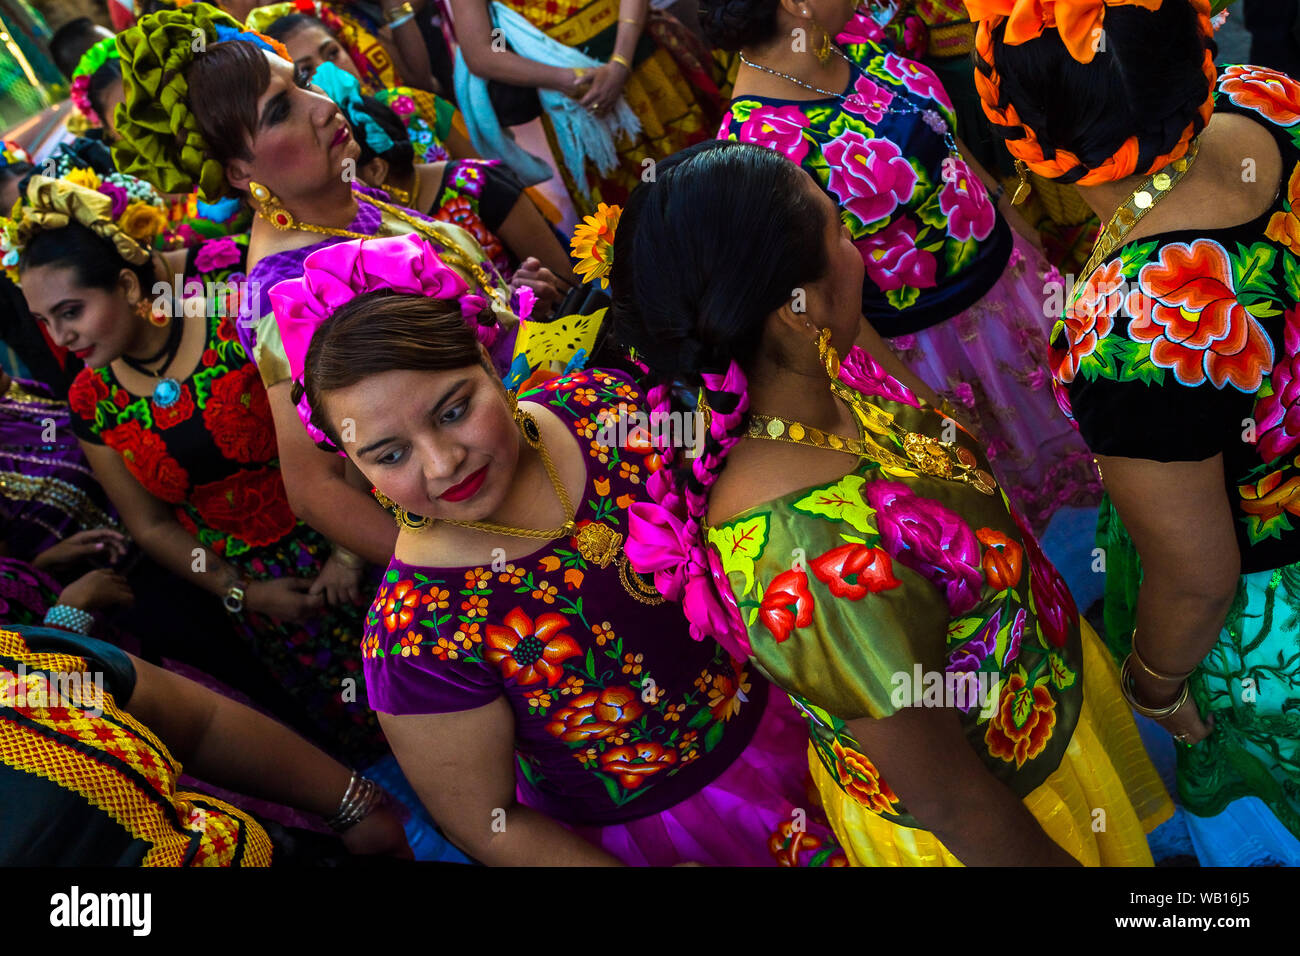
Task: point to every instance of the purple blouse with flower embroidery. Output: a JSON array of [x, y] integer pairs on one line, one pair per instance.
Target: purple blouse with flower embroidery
[[618, 713], [932, 241]]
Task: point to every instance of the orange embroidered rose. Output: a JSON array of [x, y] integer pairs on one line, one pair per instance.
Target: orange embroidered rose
[[1272, 94], [1090, 318], [634, 764], [1283, 226], [595, 714], [1270, 496], [1036, 711], [530, 652], [398, 606], [861, 780], [1003, 561]]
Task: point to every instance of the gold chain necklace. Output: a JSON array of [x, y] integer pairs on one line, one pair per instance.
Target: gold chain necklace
[[937, 459], [1140, 202], [561, 492]]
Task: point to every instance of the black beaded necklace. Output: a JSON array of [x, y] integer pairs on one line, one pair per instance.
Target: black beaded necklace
[[167, 390]]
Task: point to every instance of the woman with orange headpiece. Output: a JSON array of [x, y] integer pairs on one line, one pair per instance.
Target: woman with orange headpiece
[[1177, 356]]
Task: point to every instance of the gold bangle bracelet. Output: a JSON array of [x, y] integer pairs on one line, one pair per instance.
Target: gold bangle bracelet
[[1155, 713], [1172, 678], [347, 558], [621, 61], [635, 23], [401, 12]]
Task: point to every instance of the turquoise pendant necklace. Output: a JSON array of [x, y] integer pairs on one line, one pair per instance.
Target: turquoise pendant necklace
[[167, 390]]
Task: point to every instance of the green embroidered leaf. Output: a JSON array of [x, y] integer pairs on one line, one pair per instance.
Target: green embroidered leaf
[[714, 736], [740, 109], [591, 664], [740, 544], [203, 385], [1263, 309], [1258, 529], [1135, 363], [1291, 276], [1252, 268], [958, 254], [963, 629], [903, 298], [1133, 256], [843, 121], [1022, 706], [819, 115], [1103, 361], [1062, 676], [391, 577], [702, 717], [930, 213], [841, 501]]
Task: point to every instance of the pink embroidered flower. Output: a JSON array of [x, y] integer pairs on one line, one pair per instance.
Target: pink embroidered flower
[[870, 177], [1057, 615], [216, 254], [779, 128], [893, 260], [1279, 413], [869, 100], [402, 105], [965, 202], [861, 28], [921, 534], [903, 343], [917, 78], [861, 371], [963, 392]]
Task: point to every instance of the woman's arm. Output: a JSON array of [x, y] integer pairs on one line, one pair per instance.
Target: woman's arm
[[526, 233], [495, 62], [230, 745], [407, 44], [318, 492], [924, 756], [1179, 518], [607, 80], [463, 767]]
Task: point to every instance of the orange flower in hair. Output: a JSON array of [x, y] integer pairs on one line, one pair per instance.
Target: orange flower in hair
[[1077, 21]]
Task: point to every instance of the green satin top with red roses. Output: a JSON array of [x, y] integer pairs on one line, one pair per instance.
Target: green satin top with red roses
[[888, 589], [618, 713], [1186, 345], [930, 236]]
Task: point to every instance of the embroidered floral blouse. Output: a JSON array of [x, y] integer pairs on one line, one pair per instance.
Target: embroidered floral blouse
[[890, 588], [618, 713], [1186, 345], [929, 234]]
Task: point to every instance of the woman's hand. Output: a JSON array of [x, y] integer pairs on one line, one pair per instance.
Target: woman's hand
[[339, 581], [542, 281], [1185, 724], [285, 599], [606, 87], [103, 542], [380, 833], [99, 588]]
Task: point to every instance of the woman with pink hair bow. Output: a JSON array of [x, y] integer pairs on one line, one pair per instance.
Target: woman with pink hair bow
[[546, 703]]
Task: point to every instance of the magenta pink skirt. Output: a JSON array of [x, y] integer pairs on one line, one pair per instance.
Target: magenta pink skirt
[[757, 813]]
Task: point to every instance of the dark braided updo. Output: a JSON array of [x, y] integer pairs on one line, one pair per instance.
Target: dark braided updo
[[734, 24]]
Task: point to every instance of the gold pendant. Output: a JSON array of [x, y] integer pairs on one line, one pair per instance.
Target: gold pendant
[[599, 544]]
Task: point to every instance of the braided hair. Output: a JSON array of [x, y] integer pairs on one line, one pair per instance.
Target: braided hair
[[699, 265], [1134, 108]]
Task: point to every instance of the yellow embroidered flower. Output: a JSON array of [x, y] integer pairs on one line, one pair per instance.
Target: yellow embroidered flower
[[545, 592], [572, 685], [632, 663], [604, 631], [674, 711], [467, 636], [474, 606], [477, 579], [538, 699], [511, 575], [593, 244]]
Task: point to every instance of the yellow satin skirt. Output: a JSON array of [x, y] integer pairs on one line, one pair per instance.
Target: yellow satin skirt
[[1098, 805]]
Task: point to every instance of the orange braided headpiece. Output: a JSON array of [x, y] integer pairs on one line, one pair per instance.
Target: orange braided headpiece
[[1079, 24]]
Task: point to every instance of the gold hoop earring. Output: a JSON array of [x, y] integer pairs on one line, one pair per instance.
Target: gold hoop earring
[[270, 208], [145, 311], [384, 501], [830, 358], [823, 52], [409, 522]]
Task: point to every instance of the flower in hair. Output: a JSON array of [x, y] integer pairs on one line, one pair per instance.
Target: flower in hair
[[99, 54], [11, 154], [1079, 22], [593, 244]]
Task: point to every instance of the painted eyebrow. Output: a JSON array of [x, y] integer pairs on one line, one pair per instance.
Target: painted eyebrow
[[446, 396]]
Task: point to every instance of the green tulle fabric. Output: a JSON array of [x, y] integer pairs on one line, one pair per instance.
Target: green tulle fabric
[[159, 138]]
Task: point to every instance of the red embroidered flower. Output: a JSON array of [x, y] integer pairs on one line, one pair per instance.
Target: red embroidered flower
[[1057, 615], [121, 398], [1003, 561], [226, 330], [787, 588], [1023, 723], [635, 763], [1273, 95], [239, 416], [251, 505], [1186, 308], [209, 358], [530, 652], [175, 413], [87, 391], [1090, 318], [873, 568], [398, 605], [145, 456], [595, 715]]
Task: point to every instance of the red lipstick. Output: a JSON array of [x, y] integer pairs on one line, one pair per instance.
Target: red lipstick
[[467, 488], [340, 137], [84, 352]]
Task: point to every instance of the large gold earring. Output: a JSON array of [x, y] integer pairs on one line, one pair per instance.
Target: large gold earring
[[383, 499], [823, 52], [409, 522], [145, 310], [525, 422], [1022, 189], [829, 357], [270, 208]]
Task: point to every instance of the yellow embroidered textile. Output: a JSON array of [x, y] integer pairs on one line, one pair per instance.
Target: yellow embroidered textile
[[79, 740], [1105, 768]]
